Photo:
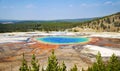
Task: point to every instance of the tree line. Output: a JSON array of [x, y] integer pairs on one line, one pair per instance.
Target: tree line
[[113, 64], [36, 26]]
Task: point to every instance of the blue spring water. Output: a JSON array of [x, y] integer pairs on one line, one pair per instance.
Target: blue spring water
[[63, 39]]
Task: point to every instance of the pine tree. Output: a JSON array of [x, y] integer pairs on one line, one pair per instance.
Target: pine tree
[[34, 63], [108, 21], [63, 68], [89, 69], [43, 69], [74, 68], [94, 67], [59, 68], [83, 69], [113, 63], [52, 63], [24, 66], [99, 65]]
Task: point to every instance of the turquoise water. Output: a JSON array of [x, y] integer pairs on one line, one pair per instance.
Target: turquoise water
[[63, 39]]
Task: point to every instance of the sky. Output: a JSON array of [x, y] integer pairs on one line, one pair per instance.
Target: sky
[[56, 9]]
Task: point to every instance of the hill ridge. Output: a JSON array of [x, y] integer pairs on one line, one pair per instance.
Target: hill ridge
[[110, 23]]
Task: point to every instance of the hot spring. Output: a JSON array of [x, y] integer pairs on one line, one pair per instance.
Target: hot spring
[[63, 40]]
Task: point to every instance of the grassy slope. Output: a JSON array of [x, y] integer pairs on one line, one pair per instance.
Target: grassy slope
[[109, 23]]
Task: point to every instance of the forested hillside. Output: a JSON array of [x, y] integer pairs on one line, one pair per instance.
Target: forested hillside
[[36, 26], [109, 23]]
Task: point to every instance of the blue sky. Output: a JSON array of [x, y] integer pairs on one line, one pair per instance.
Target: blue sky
[[56, 9]]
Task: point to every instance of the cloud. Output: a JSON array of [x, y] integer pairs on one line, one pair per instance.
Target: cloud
[[30, 6], [83, 4], [89, 5], [108, 3], [112, 3]]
